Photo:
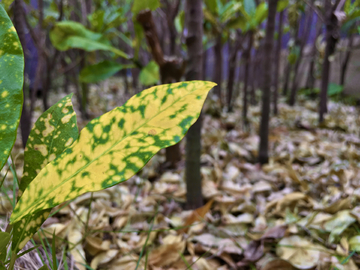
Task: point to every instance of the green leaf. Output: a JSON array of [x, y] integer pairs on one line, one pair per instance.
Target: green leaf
[[229, 10], [334, 89], [139, 35], [149, 75], [180, 21], [101, 71], [4, 241], [113, 147], [11, 83], [97, 20], [250, 7], [54, 131], [44, 267], [6, 4], [73, 35], [140, 5], [281, 5], [212, 6], [261, 13]]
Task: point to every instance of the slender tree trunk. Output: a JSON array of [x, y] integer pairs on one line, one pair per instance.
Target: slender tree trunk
[[205, 54], [231, 75], [247, 60], [302, 41], [46, 84], [267, 60], [290, 67], [218, 66], [287, 79], [345, 63], [171, 13], [135, 79], [193, 21], [277, 63], [254, 67], [332, 35], [25, 120], [310, 82], [84, 89]]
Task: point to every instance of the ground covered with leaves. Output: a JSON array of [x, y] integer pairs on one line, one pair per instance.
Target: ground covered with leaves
[[301, 211]]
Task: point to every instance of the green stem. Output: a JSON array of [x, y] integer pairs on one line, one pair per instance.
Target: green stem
[[12, 261]]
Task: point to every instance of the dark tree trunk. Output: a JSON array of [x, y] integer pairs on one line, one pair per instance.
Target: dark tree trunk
[[310, 82], [193, 21], [135, 79], [254, 76], [205, 54], [46, 84], [287, 79], [66, 83], [302, 41], [84, 90], [171, 13], [332, 36], [25, 120], [267, 61], [247, 60], [290, 67], [217, 76], [345, 63], [231, 75], [277, 63]]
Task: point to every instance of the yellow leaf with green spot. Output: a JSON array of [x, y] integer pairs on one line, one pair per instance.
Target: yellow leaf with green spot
[[113, 147], [11, 82], [54, 131]]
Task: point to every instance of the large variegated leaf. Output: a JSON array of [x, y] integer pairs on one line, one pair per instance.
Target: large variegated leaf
[[11, 82], [54, 131], [113, 147]]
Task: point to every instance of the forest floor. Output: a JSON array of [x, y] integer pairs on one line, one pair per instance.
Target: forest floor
[[301, 211]]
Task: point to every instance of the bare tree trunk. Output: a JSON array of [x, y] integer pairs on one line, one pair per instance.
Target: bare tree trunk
[[217, 76], [25, 120], [267, 60], [287, 79], [205, 54], [193, 21], [172, 11], [277, 63], [247, 60], [310, 82], [290, 66], [332, 36], [255, 67], [135, 79], [233, 50], [302, 41], [345, 63]]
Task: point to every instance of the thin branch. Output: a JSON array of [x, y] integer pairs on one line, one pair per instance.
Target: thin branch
[[35, 38], [339, 5], [318, 13]]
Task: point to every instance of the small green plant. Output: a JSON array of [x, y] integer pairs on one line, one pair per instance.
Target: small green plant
[[60, 163]]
